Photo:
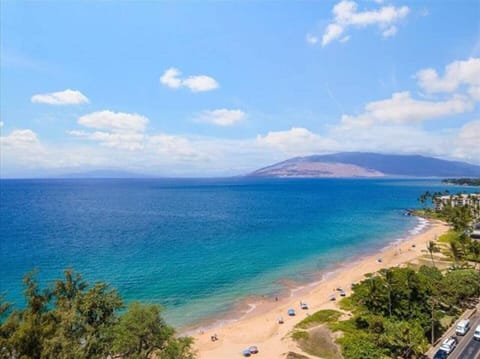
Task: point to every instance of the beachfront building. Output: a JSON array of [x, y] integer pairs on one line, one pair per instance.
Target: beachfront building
[[457, 200], [475, 232]]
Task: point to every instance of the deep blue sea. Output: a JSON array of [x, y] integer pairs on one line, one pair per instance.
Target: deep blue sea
[[196, 245]]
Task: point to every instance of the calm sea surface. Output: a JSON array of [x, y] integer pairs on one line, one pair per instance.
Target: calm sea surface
[[196, 246]]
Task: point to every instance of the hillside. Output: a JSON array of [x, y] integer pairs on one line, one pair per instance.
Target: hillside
[[360, 164]]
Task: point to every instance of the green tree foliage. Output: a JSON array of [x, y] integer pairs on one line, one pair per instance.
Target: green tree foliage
[[405, 339], [73, 320], [361, 346], [141, 331], [460, 286]]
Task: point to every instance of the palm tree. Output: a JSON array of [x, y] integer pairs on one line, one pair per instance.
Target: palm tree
[[432, 248], [455, 251], [475, 250], [387, 275]]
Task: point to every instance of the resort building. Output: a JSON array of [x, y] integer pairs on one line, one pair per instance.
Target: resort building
[[472, 199], [475, 232]]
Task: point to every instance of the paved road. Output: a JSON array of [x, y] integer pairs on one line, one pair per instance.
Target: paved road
[[467, 347]]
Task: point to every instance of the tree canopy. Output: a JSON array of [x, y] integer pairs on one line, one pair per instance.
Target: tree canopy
[[397, 311], [73, 319]]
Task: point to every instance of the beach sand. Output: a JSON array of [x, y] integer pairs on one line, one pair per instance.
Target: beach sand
[[259, 327]]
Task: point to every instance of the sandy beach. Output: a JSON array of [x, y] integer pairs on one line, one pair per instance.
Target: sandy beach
[[260, 327]]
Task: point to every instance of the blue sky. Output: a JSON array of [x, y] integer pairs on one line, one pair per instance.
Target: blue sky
[[219, 88]]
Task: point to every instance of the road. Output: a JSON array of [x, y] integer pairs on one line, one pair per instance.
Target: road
[[467, 348]]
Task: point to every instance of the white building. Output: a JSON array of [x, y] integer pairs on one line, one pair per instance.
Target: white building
[[472, 199]]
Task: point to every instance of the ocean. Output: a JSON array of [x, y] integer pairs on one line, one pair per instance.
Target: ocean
[[197, 246]]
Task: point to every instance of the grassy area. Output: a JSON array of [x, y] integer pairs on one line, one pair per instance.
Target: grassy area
[[314, 338], [319, 343], [449, 237], [320, 317], [300, 335]]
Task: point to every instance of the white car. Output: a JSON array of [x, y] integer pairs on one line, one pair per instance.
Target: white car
[[476, 335], [449, 344], [463, 327]]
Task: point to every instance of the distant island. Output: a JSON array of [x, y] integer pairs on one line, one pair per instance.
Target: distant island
[[367, 165], [463, 181]]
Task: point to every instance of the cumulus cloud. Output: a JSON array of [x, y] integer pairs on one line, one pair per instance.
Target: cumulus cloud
[[474, 91], [67, 97], [170, 78], [221, 117], [127, 141], [456, 74], [174, 146], [114, 121], [198, 83], [332, 32], [119, 130], [402, 108], [467, 142], [346, 15], [20, 138]]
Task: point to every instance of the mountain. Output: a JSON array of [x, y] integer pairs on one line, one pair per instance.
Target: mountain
[[362, 164]]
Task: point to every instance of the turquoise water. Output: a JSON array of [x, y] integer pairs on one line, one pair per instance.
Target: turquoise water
[[196, 245]]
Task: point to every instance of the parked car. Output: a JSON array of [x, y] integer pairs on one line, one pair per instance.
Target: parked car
[[476, 334], [463, 327], [441, 354], [449, 344]]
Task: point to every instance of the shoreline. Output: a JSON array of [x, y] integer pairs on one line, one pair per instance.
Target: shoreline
[[290, 288], [256, 319]]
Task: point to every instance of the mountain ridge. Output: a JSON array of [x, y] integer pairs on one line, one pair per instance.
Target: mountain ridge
[[366, 165]]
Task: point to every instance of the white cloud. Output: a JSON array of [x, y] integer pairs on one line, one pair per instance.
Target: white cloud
[[127, 141], [345, 39], [177, 147], [311, 39], [467, 143], [456, 74], [198, 83], [170, 78], [474, 92], [346, 15], [67, 97], [391, 31], [332, 32], [401, 108], [114, 121], [1, 124], [20, 138], [221, 117], [297, 141]]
